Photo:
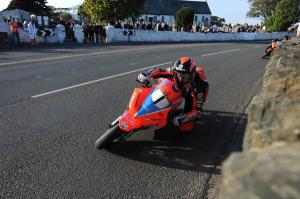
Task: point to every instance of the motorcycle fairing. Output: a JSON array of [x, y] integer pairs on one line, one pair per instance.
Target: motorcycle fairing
[[149, 107], [155, 102]]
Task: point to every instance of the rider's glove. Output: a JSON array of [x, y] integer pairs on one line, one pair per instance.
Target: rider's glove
[[199, 114], [177, 121], [142, 78]]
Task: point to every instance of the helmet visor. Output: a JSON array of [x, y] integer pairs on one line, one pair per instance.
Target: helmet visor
[[183, 77]]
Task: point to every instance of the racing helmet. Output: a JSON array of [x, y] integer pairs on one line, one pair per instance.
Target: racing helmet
[[184, 71]]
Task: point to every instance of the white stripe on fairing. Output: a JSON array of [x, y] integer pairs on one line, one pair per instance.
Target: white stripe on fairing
[[161, 104], [157, 95]]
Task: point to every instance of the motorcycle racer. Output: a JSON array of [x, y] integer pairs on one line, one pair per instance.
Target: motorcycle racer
[[274, 44], [192, 82]]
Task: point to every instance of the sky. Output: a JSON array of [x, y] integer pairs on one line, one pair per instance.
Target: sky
[[234, 11]]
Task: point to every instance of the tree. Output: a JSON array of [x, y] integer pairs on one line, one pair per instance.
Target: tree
[[262, 8], [81, 12], [112, 10], [37, 7], [285, 14], [217, 21], [66, 16], [184, 17]]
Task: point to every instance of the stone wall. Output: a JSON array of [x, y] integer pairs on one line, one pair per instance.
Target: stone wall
[[119, 35], [269, 166]]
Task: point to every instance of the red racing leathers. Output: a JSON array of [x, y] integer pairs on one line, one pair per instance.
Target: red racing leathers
[[195, 94]]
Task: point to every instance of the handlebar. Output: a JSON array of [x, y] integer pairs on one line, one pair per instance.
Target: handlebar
[[148, 83]]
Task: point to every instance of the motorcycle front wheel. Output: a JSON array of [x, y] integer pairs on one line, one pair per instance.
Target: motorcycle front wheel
[[105, 140]]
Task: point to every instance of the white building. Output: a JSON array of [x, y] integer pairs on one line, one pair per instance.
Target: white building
[[72, 10], [18, 14], [164, 11]]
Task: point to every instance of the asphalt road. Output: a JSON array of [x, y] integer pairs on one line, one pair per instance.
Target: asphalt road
[[55, 102]]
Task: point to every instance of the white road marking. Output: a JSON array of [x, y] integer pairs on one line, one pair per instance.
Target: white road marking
[[97, 80], [106, 78], [70, 56], [221, 52], [91, 54]]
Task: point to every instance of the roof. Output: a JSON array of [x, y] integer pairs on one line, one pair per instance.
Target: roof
[[14, 11], [169, 7]]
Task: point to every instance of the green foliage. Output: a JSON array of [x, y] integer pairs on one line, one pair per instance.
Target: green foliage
[[285, 14], [217, 20], [37, 7], [261, 8], [184, 17], [81, 12], [66, 16], [112, 10]]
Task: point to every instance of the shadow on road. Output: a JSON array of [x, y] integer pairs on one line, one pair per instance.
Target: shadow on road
[[202, 150]]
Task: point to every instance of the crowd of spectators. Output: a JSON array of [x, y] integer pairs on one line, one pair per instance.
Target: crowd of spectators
[[96, 33], [93, 33], [162, 26]]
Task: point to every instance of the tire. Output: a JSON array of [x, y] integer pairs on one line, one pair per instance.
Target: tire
[[105, 140]]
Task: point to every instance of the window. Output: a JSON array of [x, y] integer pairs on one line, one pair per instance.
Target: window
[[155, 19], [196, 18], [39, 20], [46, 21], [163, 19]]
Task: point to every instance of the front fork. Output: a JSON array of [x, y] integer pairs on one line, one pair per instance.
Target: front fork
[[116, 122], [124, 136]]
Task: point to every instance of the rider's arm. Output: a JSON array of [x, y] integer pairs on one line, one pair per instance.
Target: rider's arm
[[154, 73], [159, 73]]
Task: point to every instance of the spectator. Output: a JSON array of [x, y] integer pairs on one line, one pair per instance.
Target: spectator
[[91, 32], [166, 27], [149, 26], [141, 25], [102, 34], [25, 26], [97, 32], [71, 31], [14, 28], [118, 25], [298, 31], [198, 28], [32, 31], [214, 28], [85, 31], [159, 28], [109, 26]]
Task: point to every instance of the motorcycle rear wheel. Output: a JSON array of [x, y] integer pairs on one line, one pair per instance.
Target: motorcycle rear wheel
[[105, 140]]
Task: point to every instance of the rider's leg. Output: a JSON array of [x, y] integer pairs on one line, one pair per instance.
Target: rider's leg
[[187, 127]]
